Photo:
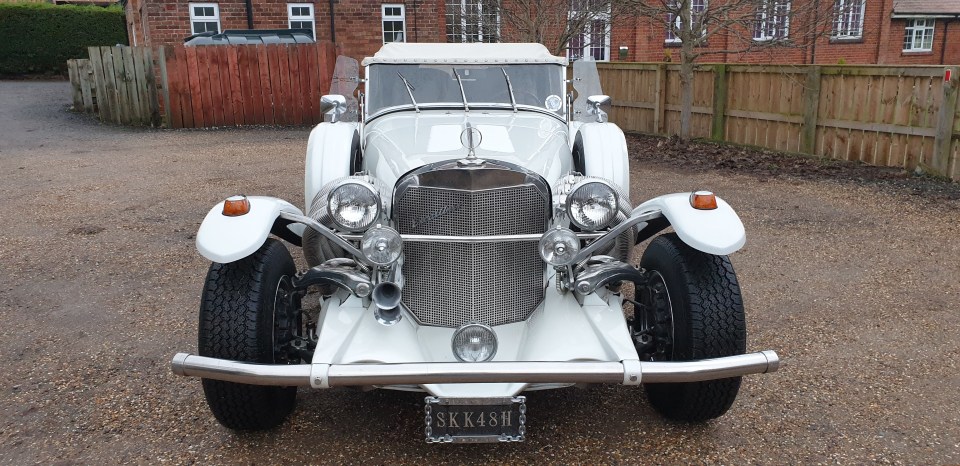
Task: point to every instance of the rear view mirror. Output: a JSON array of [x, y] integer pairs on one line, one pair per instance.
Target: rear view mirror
[[599, 105], [333, 106]]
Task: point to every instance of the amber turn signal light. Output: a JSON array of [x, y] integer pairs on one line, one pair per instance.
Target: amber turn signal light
[[703, 200], [236, 206]]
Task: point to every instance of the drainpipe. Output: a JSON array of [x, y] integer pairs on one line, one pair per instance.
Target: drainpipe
[[416, 30], [333, 27], [249, 14], [880, 30], [943, 43], [816, 33]]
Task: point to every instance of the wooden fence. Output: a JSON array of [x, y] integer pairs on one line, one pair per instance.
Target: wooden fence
[[888, 116], [118, 83], [195, 87], [245, 84]]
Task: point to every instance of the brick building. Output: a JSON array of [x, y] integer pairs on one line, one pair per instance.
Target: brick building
[[868, 31]]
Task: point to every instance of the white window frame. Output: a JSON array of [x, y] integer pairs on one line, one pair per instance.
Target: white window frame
[[675, 19], [916, 34], [384, 18], [586, 48], [204, 19], [481, 27], [843, 26], [771, 18], [312, 17]]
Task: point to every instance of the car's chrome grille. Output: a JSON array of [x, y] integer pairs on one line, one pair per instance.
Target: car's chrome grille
[[450, 284]]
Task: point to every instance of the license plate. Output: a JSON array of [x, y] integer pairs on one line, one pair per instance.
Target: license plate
[[475, 420]]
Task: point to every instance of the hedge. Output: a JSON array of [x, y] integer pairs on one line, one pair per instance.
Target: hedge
[[39, 38]]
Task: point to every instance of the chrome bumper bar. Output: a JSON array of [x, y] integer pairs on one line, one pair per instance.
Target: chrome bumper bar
[[342, 375]]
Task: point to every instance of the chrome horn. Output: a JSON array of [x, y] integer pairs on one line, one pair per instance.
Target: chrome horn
[[386, 296]]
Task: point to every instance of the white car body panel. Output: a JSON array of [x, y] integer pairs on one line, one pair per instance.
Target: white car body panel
[[718, 231], [400, 142], [605, 153], [225, 239], [559, 330], [328, 156]]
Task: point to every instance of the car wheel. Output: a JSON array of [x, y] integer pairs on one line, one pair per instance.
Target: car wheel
[[690, 308], [249, 313]]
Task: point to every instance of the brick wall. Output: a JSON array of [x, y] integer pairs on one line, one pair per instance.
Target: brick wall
[[358, 22], [946, 45], [359, 33], [648, 40]]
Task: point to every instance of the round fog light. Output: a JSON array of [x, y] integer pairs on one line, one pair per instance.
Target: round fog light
[[381, 245], [559, 246], [474, 343]]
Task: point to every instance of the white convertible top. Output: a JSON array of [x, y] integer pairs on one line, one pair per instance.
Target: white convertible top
[[475, 53]]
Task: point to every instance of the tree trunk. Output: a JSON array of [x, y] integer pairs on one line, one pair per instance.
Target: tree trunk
[[686, 90]]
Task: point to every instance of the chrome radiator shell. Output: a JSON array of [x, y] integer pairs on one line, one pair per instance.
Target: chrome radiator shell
[[450, 284]]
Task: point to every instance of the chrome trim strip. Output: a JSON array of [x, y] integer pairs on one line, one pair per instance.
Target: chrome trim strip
[[453, 106], [480, 372], [532, 237]]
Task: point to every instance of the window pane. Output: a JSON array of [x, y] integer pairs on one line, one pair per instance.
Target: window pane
[[472, 20]]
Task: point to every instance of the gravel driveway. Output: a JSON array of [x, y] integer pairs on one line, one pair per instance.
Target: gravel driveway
[[857, 286]]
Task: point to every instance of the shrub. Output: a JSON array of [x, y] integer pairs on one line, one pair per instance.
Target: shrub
[[39, 38]]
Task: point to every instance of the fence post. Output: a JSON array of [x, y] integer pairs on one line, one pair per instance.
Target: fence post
[[74, 71], [168, 113], [811, 105], [103, 100], [719, 122], [660, 104], [940, 162]]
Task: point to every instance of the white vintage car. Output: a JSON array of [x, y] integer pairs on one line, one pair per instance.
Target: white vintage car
[[468, 229]]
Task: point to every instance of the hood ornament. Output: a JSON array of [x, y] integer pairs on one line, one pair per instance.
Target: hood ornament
[[471, 138]]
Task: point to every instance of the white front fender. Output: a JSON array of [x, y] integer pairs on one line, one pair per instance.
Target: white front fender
[[329, 152], [226, 239], [718, 231]]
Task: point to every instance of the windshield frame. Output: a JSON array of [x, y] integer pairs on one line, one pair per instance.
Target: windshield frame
[[561, 115]]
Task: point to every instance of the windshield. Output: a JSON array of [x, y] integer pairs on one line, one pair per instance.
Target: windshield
[[539, 86]]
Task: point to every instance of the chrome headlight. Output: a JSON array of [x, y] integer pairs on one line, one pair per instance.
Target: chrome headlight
[[381, 245], [354, 205], [559, 246], [592, 204], [474, 343]]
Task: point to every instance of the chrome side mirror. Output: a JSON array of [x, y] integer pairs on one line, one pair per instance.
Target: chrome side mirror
[[599, 105], [332, 106]]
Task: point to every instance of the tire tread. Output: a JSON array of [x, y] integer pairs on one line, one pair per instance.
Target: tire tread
[[715, 327], [233, 326]]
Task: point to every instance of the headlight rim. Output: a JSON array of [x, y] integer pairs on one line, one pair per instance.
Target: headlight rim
[[582, 183], [367, 185]]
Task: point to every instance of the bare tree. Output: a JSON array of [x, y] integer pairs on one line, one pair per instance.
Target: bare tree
[[750, 26], [555, 23]]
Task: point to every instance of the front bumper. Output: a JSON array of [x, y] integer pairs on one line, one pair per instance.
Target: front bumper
[[628, 372]]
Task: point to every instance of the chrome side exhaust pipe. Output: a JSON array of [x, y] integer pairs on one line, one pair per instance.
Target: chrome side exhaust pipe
[[386, 297]]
